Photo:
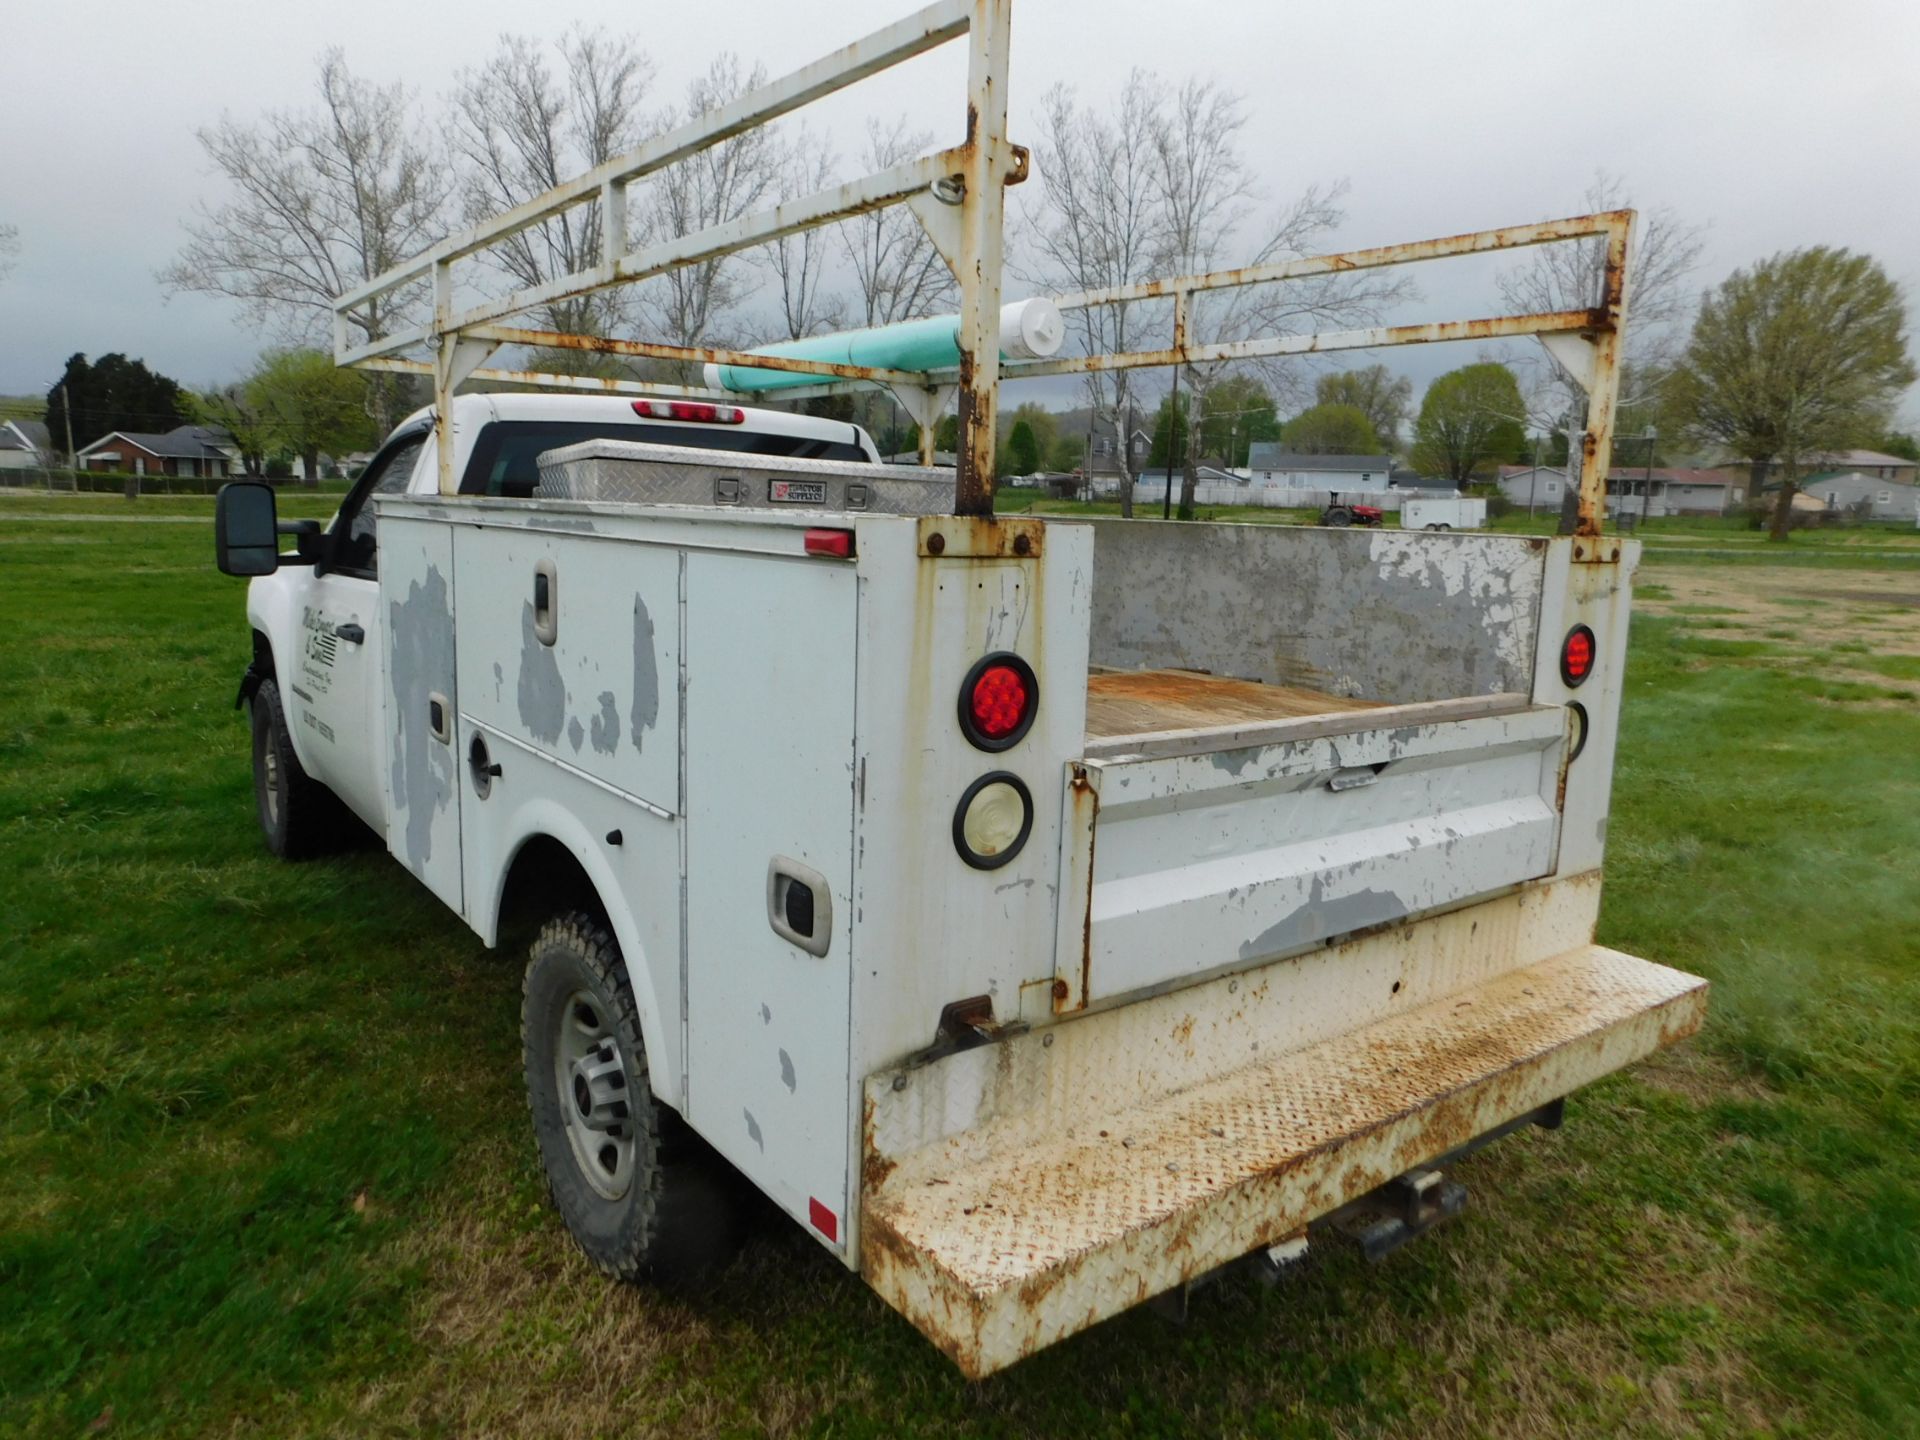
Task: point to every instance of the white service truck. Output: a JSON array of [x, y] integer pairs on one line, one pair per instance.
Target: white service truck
[[1044, 914]]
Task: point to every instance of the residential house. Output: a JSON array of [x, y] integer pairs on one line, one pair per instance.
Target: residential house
[[1877, 497], [1633, 488], [1874, 464], [191, 450], [24, 444], [1270, 467]]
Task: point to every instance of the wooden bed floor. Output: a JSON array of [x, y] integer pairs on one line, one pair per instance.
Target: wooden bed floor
[[1138, 702]]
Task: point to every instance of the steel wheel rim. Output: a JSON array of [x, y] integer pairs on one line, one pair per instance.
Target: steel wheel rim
[[270, 782], [592, 1088]]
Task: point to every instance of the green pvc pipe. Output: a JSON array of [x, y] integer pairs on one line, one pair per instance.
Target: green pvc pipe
[[1029, 330]]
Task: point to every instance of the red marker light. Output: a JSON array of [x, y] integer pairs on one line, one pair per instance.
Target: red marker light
[[695, 410], [1577, 655], [823, 1220], [998, 700], [838, 544]]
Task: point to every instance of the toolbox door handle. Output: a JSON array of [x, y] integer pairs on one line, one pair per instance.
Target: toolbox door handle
[[546, 602]]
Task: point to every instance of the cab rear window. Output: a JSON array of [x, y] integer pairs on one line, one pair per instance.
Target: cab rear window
[[505, 459]]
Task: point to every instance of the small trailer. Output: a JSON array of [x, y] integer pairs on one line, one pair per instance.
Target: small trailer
[[1047, 915], [1443, 512]]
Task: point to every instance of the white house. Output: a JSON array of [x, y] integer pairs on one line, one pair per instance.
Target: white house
[[23, 443], [1880, 497], [1270, 467], [1632, 488]]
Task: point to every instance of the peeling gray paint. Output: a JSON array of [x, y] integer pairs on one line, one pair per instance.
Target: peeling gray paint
[[787, 1077], [606, 725], [1381, 614], [1318, 919], [576, 734], [421, 636], [766, 1015], [753, 1131], [542, 696], [1234, 761], [499, 680], [646, 676]]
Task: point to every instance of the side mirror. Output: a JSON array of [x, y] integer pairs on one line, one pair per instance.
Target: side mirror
[[245, 533]]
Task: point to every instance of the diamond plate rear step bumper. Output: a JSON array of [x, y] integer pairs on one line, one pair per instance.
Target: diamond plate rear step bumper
[[1004, 1237]]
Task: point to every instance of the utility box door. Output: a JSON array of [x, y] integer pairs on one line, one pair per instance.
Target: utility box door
[[770, 777], [422, 770]]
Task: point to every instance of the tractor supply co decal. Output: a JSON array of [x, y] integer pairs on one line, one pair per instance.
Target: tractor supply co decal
[[318, 651], [798, 492]]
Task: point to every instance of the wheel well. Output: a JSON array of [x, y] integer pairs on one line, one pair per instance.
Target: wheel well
[[262, 654], [543, 880]]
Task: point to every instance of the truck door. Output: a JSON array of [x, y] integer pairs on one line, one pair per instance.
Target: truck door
[[769, 747], [333, 690]]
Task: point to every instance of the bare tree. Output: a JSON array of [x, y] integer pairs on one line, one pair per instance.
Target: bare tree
[[517, 130], [799, 262], [899, 274], [1101, 224], [321, 201], [1570, 276], [721, 183], [1206, 196]]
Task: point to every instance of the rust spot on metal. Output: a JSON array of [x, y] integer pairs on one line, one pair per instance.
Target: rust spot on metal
[[1059, 993], [874, 1167], [564, 340], [982, 537]]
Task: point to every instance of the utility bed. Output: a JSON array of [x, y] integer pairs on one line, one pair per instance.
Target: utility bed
[[1289, 886], [1041, 913]]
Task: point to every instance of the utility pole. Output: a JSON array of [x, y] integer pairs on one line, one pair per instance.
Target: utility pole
[[1646, 497], [1173, 429], [66, 413]]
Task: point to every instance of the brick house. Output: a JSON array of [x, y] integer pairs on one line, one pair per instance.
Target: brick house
[[189, 450]]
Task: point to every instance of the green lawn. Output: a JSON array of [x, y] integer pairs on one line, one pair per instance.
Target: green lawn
[[265, 1170]]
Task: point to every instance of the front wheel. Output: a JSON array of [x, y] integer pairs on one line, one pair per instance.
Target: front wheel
[[298, 815], [638, 1191]]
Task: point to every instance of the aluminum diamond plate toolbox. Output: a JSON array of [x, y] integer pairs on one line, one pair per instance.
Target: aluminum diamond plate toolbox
[[1000, 1240], [638, 473]]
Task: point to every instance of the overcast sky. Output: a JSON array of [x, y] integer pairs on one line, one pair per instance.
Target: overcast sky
[[1773, 123]]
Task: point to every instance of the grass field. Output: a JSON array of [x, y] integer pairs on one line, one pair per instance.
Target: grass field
[[265, 1167]]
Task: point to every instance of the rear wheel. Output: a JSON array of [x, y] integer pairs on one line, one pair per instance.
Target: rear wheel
[[1339, 515], [639, 1192], [298, 815]]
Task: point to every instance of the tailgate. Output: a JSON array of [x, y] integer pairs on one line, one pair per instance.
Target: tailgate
[[1176, 864]]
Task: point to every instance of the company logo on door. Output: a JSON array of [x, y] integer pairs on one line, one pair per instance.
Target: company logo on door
[[798, 492], [317, 650]]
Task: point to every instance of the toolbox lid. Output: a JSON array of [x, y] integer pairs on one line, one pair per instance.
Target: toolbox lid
[[637, 473]]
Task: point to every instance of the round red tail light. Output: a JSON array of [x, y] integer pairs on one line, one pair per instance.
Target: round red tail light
[[998, 700], [1577, 654]]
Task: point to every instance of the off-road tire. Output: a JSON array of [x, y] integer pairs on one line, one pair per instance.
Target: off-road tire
[[299, 817], [1339, 516], [675, 1217]]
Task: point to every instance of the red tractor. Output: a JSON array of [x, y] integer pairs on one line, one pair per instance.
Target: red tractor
[[1340, 513]]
